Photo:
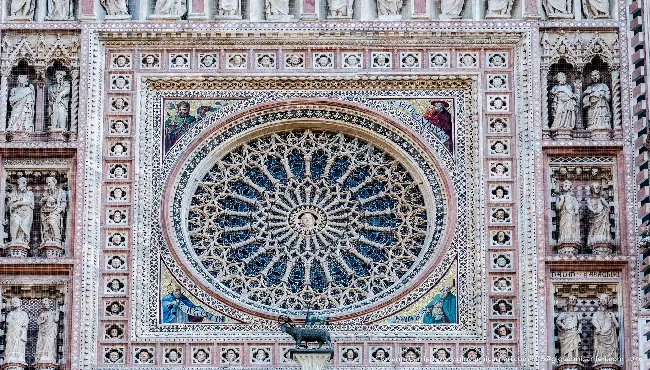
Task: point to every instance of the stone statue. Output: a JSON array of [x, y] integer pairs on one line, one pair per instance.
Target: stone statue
[[53, 205], [605, 336], [569, 329], [58, 10], [341, 8], [451, 8], [21, 210], [596, 98], [228, 7], [564, 104], [16, 334], [23, 8], [596, 8], [276, 8], [22, 99], [498, 8], [389, 7], [47, 334], [59, 100], [171, 7], [599, 222], [568, 208], [558, 8], [115, 7]]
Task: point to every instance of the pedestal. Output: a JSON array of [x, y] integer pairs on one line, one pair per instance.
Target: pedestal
[[18, 18], [559, 16], [339, 17], [448, 17], [312, 359], [46, 367], [165, 17], [606, 366], [17, 249], [280, 18], [13, 366], [51, 249], [18, 136], [236, 17], [117, 17], [567, 248], [602, 248], [601, 134], [396, 17], [563, 134], [56, 135], [570, 365]]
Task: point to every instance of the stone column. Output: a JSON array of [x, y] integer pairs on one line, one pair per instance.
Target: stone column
[[312, 359], [616, 97], [74, 101], [41, 104]]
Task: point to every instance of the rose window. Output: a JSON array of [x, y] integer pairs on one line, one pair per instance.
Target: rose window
[[306, 217]]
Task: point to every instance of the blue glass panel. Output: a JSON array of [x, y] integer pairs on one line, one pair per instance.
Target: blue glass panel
[[358, 266], [276, 169], [317, 166], [226, 221], [369, 190], [240, 188], [317, 278], [338, 169], [371, 252], [380, 204], [338, 274], [234, 237], [382, 221], [380, 237], [297, 278], [239, 254], [356, 177], [255, 266], [297, 164], [276, 273]]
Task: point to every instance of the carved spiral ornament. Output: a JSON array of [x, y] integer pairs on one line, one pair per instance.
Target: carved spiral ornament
[[307, 217]]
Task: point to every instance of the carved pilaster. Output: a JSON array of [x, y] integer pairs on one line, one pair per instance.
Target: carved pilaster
[[616, 98], [74, 103], [5, 72], [544, 88], [41, 107]]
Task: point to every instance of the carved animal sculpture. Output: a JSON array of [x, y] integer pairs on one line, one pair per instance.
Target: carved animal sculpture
[[306, 334]]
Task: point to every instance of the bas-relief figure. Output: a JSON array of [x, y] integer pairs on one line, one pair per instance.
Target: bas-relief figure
[[599, 226], [58, 10], [115, 7], [177, 308], [558, 8], [23, 8], [569, 328], [499, 8], [340, 8], [59, 100], [568, 208], [22, 99], [564, 104], [596, 99], [228, 7], [16, 334], [53, 205], [605, 332], [389, 7], [596, 8], [440, 310], [48, 322], [451, 8], [171, 7], [276, 8], [21, 211]]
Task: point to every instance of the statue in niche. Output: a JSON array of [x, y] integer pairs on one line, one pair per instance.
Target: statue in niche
[[115, 7], [228, 7], [596, 98], [21, 211], [596, 8], [569, 329], [564, 104], [23, 8], [58, 10], [451, 8], [276, 8], [53, 205], [59, 99], [558, 8], [498, 8], [605, 336], [171, 7], [16, 334], [568, 208], [599, 221], [47, 334], [389, 7], [22, 99], [341, 8]]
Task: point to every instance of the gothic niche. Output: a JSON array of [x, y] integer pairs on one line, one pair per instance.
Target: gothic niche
[[33, 327], [582, 83], [586, 326], [36, 213], [583, 205], [39, 88]]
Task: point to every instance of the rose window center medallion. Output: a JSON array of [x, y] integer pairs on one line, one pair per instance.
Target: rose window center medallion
[[307, 217]]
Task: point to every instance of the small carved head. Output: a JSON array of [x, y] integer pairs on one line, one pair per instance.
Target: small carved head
[[595, 188], [604, 300], [23, 80], [560, 77], [595, 76], [16, 302], [47, 303], [567, 185]]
